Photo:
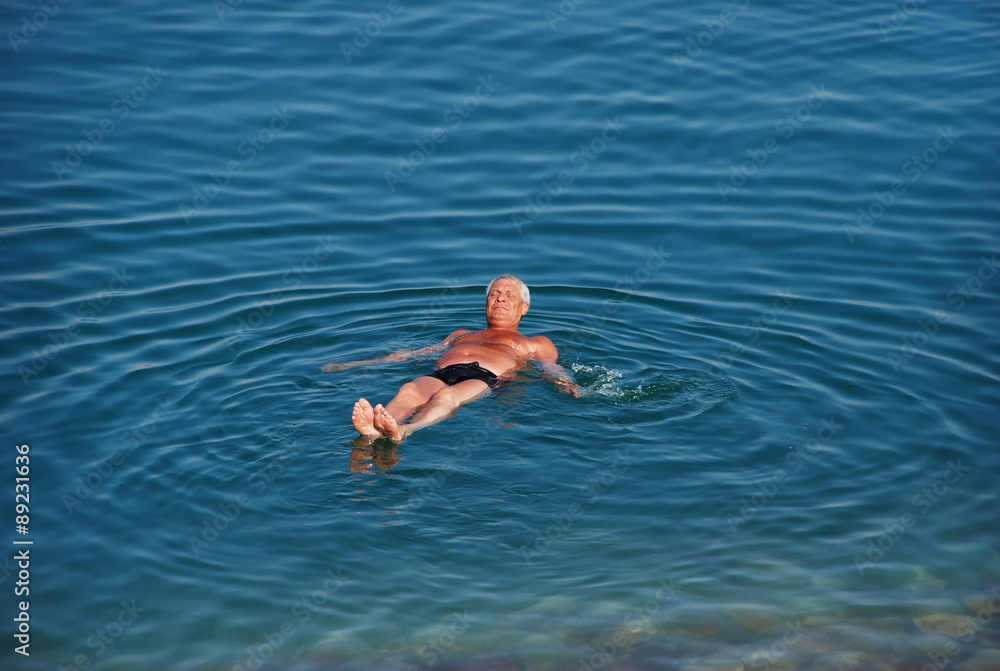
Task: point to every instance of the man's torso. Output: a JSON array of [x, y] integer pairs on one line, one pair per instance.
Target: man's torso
[[496, 351]]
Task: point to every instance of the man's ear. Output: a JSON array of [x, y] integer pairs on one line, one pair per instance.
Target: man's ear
[[524, 309]]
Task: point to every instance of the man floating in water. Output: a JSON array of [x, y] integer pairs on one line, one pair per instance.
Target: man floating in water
[[473, 363]]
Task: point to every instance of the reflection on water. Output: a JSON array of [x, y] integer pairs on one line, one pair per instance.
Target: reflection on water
[[367, 453]]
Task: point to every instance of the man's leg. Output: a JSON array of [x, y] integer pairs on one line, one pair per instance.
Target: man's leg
[[444, 402], [410, 396]]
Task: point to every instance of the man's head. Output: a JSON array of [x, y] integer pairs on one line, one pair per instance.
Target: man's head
[[507, 300]]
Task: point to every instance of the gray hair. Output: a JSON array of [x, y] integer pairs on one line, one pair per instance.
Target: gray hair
[[525, 294]]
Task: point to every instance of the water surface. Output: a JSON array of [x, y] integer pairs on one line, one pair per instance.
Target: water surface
[[763, 239]]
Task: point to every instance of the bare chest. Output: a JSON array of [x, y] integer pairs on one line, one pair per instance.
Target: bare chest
[[514, 341]]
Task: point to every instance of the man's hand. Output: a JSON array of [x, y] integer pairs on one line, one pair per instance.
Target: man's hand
[[561, 378], [336, 367], [401, 355], [570, 388]]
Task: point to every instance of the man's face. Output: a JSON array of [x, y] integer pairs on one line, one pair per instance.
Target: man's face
[[503, 304]]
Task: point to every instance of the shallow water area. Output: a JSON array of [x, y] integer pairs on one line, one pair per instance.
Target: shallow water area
[[762, 237]]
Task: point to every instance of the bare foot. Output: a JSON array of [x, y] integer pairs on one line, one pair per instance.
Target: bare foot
[[363, 418], [388, 425]]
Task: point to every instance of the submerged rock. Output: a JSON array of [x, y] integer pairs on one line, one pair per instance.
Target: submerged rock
[[756, 619], [624, 636], [542, 652], [843, 661], [821, 620], [709, 664], [888, 625], [491, 663], [976, 602], [923, 581], [693, 621], [603, 611], [344, 643], [863, 638], [929, 644], [948, 624], [543, 641], [984, 660], [649, 663], [779, 664], [554, 605]]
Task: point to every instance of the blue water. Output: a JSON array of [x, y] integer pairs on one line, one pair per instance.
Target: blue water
[[786, 455]]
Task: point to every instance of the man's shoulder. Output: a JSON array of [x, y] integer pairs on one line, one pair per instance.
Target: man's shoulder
[[545, 349]]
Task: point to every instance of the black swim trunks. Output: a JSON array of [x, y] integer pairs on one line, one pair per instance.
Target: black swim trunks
[[460, 372]]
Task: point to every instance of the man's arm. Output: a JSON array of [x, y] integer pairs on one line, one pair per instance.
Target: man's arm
[[399, 355], [547, 357]]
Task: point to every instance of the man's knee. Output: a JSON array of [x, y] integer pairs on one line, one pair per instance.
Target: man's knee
[[445, 395], [412, 390]]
